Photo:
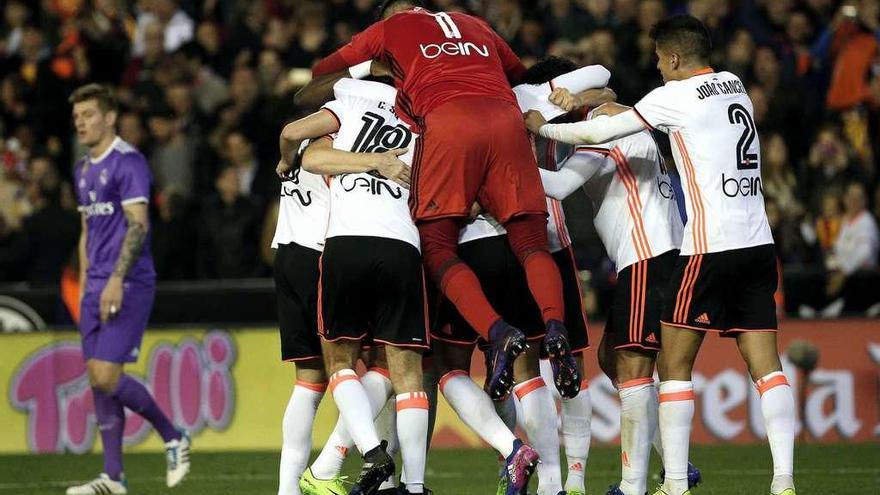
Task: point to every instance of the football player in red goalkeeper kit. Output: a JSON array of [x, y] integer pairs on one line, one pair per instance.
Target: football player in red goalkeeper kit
[[453, 75]]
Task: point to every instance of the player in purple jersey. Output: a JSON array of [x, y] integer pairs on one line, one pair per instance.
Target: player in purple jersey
[[117, 285]]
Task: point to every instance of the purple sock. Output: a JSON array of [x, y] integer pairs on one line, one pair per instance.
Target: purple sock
[[111, 424], [136, 397]]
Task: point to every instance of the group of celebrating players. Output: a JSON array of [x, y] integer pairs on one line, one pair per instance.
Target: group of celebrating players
[[414, 219]]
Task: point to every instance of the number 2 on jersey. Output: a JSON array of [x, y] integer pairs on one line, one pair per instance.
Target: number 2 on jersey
[[737, 114]]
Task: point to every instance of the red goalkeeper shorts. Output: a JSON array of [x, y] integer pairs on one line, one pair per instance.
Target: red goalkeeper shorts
[[475, 149]]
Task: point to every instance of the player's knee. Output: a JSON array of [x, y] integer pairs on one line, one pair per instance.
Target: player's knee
[[405, 366], [439, 239], [103, 377], [311, 374], [632, 365], [527, 234]]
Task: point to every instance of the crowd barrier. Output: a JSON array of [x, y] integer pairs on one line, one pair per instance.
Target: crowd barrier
[[229, 388]]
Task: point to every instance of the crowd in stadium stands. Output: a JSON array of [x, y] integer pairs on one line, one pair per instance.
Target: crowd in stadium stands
[[205, 86]]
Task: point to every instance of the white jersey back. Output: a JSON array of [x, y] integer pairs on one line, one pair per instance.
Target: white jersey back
[[715, 144], [549, 154], [633, 199], [303, 211], [366, 204]]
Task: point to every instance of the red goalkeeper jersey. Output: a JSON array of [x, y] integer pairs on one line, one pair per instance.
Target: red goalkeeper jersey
[[435, 58]]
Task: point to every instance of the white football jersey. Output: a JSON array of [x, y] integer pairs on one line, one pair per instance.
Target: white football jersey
[[366, 204], [483, 226], [303, 211], [633, 199], [715, 144], [549, 153]]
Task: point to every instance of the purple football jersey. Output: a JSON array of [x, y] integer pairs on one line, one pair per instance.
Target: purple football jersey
[[118, 177]]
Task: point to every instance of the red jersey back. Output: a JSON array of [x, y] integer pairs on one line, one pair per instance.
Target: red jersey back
[[435, 57]]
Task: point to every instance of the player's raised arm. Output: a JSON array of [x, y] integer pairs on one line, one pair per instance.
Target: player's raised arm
[[574, 172], [595, 131], [367, 45], [318, 124], [321, 158]]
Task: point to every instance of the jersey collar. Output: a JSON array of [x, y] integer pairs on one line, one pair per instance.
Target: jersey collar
[[106, 153], [704, 70]]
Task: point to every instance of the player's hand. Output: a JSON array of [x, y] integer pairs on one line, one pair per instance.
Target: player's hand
[[390, 167], [380, 69], [111, 298], [562, 98], [534, 120], [283, 169], [476, 209]]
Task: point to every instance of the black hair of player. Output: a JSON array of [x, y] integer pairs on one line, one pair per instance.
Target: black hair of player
[[384, 5], [686, 35], [547, 69]]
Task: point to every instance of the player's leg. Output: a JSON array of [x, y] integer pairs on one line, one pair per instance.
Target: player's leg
[[296, 424], [512, 193], [296, 286], [752, 317], [467, 399], [638, 413], [539, 420], [576, 412], [405, 366], [448, 170], [676, 398]]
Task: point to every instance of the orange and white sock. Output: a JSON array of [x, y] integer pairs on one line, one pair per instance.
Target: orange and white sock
[[329, 462], [638, 403], [777, 407], [412, 433], [539, 421], [577, 415], [676, 415], [475, 409], [296, 434], [354, 408]]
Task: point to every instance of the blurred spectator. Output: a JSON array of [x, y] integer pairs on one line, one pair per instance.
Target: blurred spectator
[[829, 164], [15, 14], [825, 229], [254, 179], [178, 27], [209, 89], [51, 232], [850, 44], [173, 157], [131, 130], [229, 231], [174, 236], [778, 176], [791, 248]]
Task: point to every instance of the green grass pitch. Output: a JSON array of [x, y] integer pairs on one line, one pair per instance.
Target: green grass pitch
[[727, 470]]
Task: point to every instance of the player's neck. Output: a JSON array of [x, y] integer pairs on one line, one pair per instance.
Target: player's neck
[[102, 146], [684, 73]]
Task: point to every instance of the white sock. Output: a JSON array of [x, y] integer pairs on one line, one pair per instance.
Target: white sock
[[412, 431], [636, 403], [539, 421], [475, 409], [296, 434], [506, 410], [777, 406], [386, 425], [547, 374], [577, 414], [354, 408], [329, 462], [654, 416], [676, 414]]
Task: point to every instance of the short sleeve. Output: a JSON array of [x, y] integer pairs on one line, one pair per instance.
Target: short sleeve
[[660, 109], [133, 179], [336, 108]]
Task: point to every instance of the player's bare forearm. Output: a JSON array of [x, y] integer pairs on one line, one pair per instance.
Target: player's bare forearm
[[319, 90], [318, 124], [321, 158], [610, 109], [593, 98], [135, 236]]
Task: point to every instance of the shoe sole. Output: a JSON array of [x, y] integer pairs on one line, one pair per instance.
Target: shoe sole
[[501, 382], [566, 375]]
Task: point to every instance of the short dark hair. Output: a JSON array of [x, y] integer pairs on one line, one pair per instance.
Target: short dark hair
[[548, 69], [384, 5], [685, 34], [102, 94]]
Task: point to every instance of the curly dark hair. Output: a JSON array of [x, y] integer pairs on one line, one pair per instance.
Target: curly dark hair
[[547, 69]]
